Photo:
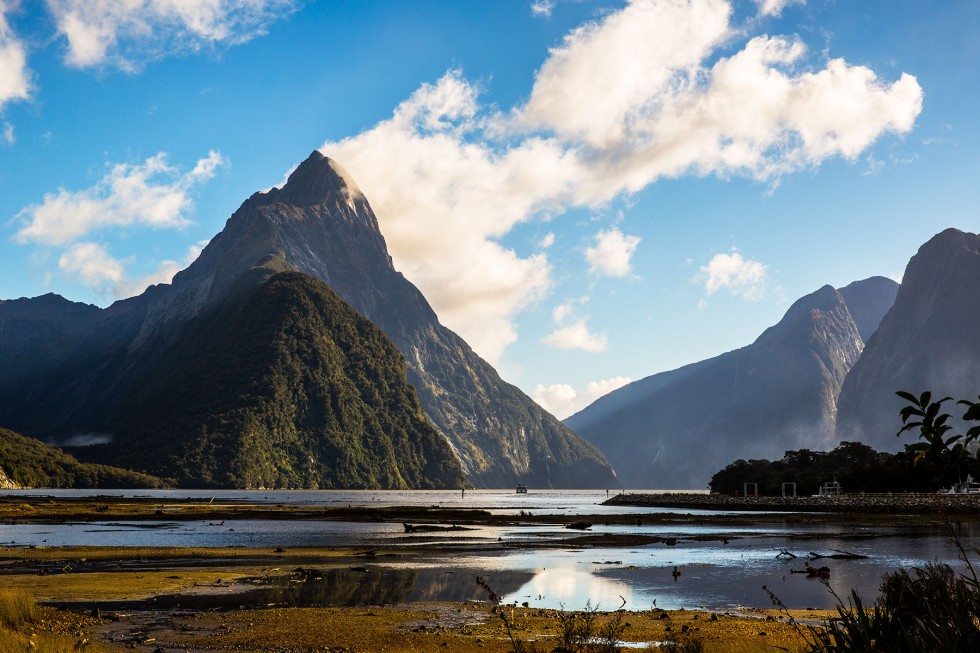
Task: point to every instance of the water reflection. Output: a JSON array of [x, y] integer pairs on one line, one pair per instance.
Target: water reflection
[[572, 588], [313, 587]]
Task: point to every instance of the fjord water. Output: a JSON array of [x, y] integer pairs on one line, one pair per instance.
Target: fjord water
[[712, 574]]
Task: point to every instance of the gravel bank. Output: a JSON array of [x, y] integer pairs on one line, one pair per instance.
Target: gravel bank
[[898, 504]]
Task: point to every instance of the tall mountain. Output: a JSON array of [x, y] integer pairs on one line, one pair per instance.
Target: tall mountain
[[930, 340], [309, 394], [675, 429], [318, 224]]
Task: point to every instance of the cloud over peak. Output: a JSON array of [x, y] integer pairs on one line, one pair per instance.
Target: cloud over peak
[[623, 102]]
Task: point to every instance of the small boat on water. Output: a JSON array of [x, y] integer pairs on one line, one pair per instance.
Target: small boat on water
[[521, 488]]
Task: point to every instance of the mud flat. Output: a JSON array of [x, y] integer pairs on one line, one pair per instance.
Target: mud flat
[[252, 600], [936, 505]]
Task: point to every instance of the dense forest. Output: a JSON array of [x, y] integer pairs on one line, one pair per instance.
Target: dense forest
[[857, 467], [30, 463], [284, 386]]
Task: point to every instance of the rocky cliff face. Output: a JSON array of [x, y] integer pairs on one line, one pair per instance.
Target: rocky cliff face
[[928, 341], [675, 429], [321, 225]]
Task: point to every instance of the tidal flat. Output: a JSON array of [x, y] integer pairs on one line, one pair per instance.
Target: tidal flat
[[320, 571]]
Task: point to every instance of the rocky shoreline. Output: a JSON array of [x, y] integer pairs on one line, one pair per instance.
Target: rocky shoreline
[[896, 504]]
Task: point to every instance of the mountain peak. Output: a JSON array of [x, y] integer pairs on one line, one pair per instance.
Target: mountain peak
[[316, 180]]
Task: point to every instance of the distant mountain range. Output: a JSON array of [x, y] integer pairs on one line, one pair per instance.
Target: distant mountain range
[[291, 353], [257, 367], [826, 373], [675, 429]]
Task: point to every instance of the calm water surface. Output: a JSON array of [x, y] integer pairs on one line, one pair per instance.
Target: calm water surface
[[711, 574]]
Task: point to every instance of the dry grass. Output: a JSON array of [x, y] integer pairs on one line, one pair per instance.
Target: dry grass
[[23, 628], [17, 607], [461, 628]]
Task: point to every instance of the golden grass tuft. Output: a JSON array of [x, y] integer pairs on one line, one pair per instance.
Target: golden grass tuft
[[17, 607]]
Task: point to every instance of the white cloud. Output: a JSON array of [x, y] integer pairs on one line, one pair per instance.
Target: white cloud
[[152, 194], [636, 96], [92, 265], [562, 400], [542, 7], [547, 240], [127, 33], [163, 274], [775, 7], [736, 275], [15, 79], [8, 134], [577, 336], [612, 253]]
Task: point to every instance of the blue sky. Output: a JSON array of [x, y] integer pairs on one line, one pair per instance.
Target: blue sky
[[588, 192]]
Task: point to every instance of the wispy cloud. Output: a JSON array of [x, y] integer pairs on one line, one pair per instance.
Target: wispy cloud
[[127, 34], [542, 7], [636, 96], [775, 7], [562, 400], [152, 194], [92, 265]]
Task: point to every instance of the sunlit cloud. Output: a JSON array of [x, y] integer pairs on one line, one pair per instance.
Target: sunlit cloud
[[612, 254], [93, 266], [634, 97], [562, 400], [577, 336], [734, 274]]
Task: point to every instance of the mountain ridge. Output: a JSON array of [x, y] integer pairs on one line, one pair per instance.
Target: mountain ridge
[[676, 428]]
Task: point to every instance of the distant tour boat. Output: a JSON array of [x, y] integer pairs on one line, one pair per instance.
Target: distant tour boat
[[521, 488]]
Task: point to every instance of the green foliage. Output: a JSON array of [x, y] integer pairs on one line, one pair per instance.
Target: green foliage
[[857, 467], [285, 386], [948, 452], [31, 463], [929, 610]]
